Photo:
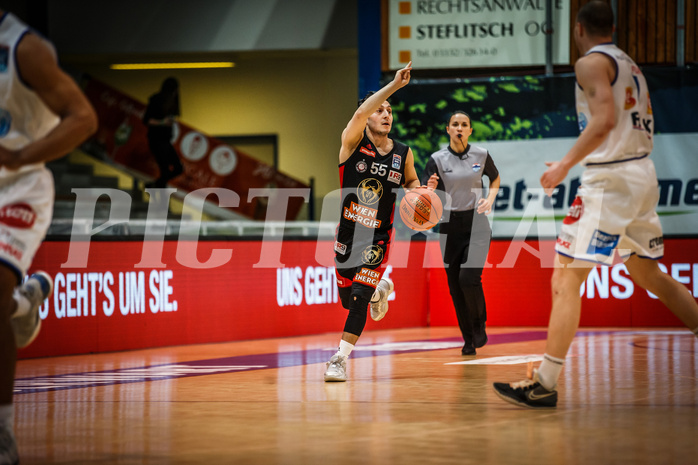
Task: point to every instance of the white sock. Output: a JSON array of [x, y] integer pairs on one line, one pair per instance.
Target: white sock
[[23, 305], [345, 348], [695, 331], [549, 371], [7, 416]]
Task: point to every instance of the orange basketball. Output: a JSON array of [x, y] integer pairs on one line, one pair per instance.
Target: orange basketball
[[421, 209]]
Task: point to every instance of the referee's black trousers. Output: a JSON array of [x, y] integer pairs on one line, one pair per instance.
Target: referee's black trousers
[[465, 242]]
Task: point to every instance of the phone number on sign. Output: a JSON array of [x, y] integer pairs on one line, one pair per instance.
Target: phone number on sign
[[456, 52]]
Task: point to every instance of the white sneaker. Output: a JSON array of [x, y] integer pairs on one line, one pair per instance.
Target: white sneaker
[[336, 368], [8, 448], [379, 300], [36, 289]]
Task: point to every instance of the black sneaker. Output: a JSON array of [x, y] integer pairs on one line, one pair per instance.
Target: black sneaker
[[528, 393], [480, 338], [8, 447], [468, 349]]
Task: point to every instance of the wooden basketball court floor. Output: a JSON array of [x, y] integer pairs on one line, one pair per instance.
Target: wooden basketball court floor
[[626, 396]]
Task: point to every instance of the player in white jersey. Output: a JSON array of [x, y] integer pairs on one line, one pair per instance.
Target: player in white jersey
[[615, 206], [43, 116]]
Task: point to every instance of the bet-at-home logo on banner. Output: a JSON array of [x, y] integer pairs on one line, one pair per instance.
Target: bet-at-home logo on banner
[[522, 210]]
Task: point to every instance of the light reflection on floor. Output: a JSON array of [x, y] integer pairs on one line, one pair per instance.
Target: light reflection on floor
[[623, 394]]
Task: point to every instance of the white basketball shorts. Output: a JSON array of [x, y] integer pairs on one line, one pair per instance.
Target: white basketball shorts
[[615, 209], [26, 208]]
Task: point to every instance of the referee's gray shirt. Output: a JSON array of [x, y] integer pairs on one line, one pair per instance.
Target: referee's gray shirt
[[460, 175]]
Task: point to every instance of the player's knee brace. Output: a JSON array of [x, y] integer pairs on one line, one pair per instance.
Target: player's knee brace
[[345, 296], [356, 320]]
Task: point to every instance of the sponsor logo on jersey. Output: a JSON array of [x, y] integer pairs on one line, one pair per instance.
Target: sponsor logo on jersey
[[372, 255], [602, 243], [368, 152], [641, 124], [361, 166], [5, 122], [656, 243], [4, 58], [18, 215], [582, 120], [629, 99], [368, 276], [397, 161], [12, 251], [575, 212], [564, 241], [10, 245], [370, 191], [340, 248], [395, 177], [342, 281], [476, 167], [637, 84], [363, 215]]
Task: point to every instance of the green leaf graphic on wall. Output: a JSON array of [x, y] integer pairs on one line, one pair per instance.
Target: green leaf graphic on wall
[[503, 108]]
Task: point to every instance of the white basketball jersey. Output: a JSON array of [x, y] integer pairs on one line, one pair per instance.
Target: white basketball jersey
[[632, 135], [24, 117]]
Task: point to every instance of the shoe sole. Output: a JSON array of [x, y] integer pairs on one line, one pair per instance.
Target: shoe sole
[[521, 404], [333, 379]]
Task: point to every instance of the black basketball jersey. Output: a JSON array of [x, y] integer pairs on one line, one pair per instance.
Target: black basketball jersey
[[369, 183]]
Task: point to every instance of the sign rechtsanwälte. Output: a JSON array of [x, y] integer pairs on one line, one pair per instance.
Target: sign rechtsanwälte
[[475, 33]]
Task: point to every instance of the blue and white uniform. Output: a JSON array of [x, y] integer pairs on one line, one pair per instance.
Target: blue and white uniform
[[26, 194], [615, 208]]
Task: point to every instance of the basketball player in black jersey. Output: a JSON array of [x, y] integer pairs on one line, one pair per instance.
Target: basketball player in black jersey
[[372, 166]]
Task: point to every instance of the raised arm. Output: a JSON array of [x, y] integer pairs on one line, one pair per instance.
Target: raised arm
[[352, 134], [39, 69]]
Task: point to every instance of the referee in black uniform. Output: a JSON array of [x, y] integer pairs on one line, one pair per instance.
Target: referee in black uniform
[[457, 171]]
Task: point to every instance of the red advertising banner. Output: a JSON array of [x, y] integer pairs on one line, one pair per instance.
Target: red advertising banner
[[517, 288], [113, 304], [207, 161], [217, 291]]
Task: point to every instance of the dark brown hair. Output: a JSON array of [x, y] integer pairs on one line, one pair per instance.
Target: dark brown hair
[[597, 18], [460, 112]]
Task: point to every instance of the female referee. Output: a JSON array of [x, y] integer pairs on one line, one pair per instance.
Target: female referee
[[457, 171]]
